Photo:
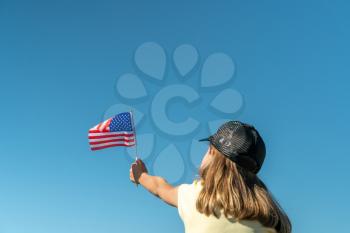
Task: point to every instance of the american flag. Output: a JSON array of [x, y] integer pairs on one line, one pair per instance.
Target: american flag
[[116, 131]]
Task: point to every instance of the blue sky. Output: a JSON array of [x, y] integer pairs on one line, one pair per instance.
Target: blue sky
[[59, 61]]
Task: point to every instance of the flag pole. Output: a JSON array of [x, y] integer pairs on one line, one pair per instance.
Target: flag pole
[[134, 129]]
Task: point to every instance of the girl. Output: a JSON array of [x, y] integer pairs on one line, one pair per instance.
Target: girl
[[228, 196]]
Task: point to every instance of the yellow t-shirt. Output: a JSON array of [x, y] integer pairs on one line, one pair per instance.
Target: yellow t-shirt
[[196, 222]]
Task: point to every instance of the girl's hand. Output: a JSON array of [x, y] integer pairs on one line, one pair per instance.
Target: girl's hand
[[136, 171]]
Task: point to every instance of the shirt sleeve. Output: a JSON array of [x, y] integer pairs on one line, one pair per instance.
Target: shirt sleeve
[[183, 189], [180, 191]]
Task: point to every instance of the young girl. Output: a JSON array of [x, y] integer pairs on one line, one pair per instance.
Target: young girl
[[228, 196]]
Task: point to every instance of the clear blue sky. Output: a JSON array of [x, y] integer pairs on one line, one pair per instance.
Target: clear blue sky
[[58, 64]]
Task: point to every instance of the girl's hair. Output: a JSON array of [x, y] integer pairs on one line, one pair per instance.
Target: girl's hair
[[239, 194]]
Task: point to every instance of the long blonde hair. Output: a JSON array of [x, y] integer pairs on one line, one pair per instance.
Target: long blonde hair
[[238, 193]]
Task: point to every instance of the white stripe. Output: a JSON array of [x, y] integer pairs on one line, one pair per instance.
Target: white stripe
[[112, 143], [109, 138], [103, 125], [95, 127], [110, 133]]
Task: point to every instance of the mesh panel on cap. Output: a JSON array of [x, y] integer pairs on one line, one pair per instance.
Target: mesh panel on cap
[[241, 143], [232, 137]]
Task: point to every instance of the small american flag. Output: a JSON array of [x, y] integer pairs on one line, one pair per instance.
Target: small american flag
[[116, 131]]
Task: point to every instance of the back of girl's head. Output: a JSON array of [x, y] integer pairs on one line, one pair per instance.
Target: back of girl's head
[[238, 193]]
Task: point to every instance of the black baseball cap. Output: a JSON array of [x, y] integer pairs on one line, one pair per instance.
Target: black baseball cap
[[241, 143]]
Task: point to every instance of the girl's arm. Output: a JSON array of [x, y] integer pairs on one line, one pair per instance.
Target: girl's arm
[[154, 184]]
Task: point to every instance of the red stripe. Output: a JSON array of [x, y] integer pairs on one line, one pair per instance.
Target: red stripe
[[98, 126], [105, 124], [114, 140], [110, 135], [112, 145], [105, 130]]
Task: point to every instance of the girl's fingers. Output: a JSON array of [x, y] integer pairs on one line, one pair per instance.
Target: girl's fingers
[[141, 165], [138, 162], [131, 176], [137, 168], [135, 171], [133, 166]]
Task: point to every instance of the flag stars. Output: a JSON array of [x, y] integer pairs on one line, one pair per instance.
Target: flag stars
[[121, 122]]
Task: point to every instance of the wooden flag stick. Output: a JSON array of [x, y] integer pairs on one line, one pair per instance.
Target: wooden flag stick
[[134, 129]]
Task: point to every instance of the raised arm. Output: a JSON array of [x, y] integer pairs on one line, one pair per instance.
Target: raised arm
[[154, 184]]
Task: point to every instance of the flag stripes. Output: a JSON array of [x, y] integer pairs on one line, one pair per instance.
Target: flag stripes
[[116, 131]]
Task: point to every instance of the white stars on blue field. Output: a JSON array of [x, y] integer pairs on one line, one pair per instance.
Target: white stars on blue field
[[121, 122]]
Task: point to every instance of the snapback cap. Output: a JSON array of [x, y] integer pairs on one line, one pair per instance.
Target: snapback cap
[[241, 143]]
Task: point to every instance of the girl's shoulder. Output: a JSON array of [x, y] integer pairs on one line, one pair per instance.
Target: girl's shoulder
[[195, 185], [187, 196], [189, 192]]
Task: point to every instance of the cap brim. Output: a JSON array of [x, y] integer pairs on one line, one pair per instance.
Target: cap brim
[[203, 139]]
